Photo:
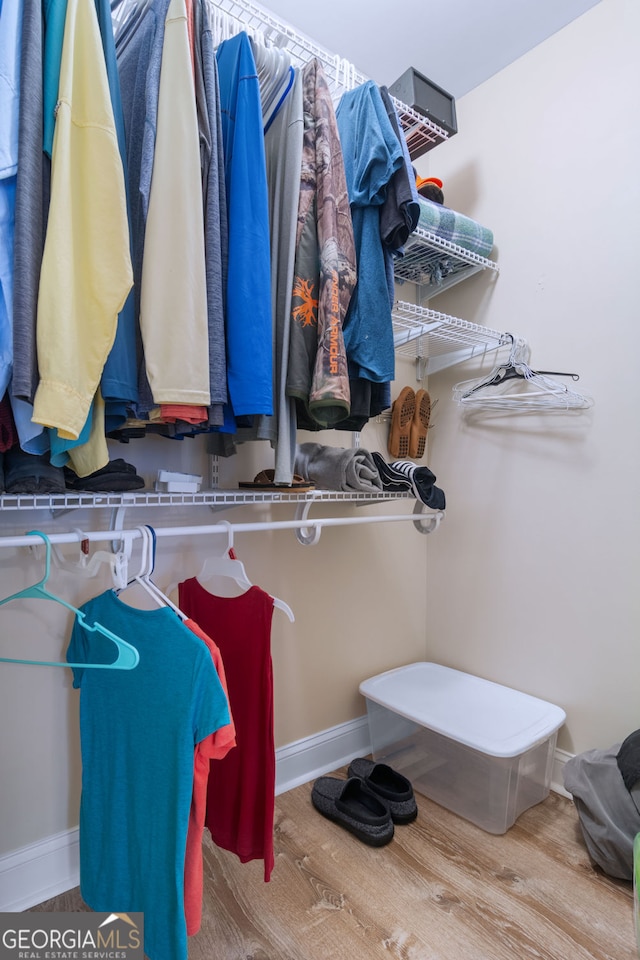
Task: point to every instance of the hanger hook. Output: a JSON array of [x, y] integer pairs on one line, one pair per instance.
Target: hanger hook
[[144, 554], [151, 547], [229, 550], [47, 560]]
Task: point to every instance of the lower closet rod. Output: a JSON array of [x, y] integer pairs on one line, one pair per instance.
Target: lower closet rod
[[28, 540]]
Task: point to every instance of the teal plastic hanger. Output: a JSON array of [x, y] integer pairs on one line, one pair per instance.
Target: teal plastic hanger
[[128, 657]]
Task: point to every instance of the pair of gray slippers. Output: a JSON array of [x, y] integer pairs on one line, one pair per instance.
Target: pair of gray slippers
[[368, 803]]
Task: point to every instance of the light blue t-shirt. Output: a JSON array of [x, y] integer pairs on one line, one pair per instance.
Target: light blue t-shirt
[[138, 730], [372, 154]]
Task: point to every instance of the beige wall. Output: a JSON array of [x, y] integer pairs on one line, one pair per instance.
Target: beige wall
[[533, 578], [358, 597]]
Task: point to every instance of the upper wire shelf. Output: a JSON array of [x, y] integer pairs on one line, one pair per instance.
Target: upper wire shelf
[[436, 340], [232, 16]]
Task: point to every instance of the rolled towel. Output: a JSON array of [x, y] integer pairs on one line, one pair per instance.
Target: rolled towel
[[338, 468]]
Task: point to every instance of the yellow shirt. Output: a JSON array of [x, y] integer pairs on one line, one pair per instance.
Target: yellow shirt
[[86, 266]]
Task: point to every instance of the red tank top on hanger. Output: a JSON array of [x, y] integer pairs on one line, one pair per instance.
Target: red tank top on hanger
[[241, 791]]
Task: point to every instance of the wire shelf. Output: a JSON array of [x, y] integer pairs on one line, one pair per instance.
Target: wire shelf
[[420, 132], [437, 340], [59, 502], [435, 264]]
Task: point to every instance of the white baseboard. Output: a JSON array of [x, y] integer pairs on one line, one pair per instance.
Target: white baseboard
[[42, 870], [306, 759], [39, 871], [560, 757]]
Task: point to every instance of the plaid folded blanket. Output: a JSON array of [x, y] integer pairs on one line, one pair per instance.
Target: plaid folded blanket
[[455, 227]]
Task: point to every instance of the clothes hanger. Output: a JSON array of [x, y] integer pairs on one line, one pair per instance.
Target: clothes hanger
[[229, 566], [90, 566], [534, 389], [128, 657], [143, 577], [149, 584]]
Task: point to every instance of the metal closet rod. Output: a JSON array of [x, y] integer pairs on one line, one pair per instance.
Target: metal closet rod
[[28, 540]]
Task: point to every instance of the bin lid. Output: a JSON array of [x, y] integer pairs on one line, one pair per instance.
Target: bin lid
[[486, 716]]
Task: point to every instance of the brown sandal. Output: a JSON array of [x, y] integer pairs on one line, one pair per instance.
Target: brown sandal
[[402, 413], [419, 425], [265, 481]]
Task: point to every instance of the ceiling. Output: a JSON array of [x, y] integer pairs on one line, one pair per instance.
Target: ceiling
[[458, 44]]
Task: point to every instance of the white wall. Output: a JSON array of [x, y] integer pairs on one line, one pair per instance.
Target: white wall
[[533, 578]]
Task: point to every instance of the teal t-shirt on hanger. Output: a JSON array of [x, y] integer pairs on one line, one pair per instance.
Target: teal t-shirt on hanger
[[138, 732]]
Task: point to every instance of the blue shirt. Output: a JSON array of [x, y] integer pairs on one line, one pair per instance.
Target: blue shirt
[[248, 309], [372, 153], [138, 730]]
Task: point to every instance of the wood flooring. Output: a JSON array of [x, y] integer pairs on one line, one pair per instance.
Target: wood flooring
[[441, 890]]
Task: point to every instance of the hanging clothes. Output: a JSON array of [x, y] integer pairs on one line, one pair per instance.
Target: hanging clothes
[[241, 792], [216, 231], [400, 211], [9, 110], [32, 200], [214, 747], [86, 265], [248, 301], [173, 298], [119, 384], [372, 154], [139, 56], [325, 268], [281, 104], [138, 732]]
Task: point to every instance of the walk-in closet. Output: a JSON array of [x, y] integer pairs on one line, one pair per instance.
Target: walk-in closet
[[261, 459]]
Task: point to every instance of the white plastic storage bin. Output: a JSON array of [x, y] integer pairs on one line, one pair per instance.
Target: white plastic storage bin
[[480, 749]]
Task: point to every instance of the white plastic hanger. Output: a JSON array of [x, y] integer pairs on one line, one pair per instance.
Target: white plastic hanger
[[90, 565], [228, 566], [143, 577], [128, 656], [513, 385]]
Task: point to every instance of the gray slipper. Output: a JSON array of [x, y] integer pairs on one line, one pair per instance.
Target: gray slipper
[[353, 806], [389, 785]]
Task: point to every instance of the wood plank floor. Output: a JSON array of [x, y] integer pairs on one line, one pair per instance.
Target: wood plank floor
[[441, 890]]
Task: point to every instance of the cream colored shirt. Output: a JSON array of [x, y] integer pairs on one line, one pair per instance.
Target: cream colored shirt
[[173, 293], [86, 266]]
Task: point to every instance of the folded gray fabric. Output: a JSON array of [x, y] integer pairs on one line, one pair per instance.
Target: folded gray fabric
[[338, 468]]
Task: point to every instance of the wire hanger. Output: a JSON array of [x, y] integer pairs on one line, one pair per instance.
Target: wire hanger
[[514, 385], [128, 656], [229, 566]]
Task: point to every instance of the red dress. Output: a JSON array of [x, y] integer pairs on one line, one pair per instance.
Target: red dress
[[241, 791]]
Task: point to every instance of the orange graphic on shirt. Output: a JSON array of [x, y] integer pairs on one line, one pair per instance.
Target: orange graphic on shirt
[[305, 312]]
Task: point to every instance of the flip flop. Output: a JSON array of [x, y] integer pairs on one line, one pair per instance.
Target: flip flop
[[419, 425], [402, 413], [265, 481]]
